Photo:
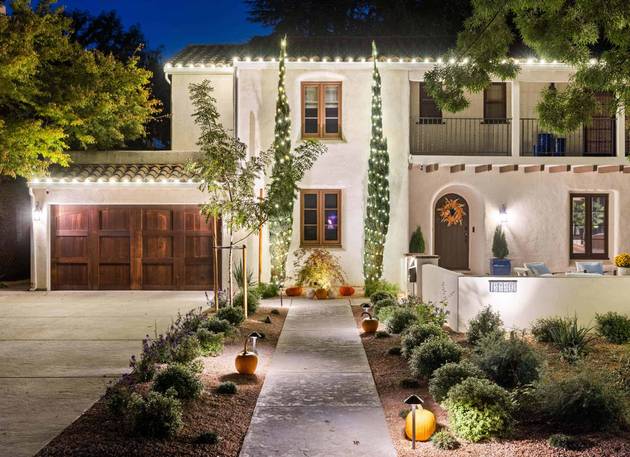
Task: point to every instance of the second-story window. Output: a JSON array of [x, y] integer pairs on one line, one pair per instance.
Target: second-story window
[[321, 109], [428, 107], [495, 103]]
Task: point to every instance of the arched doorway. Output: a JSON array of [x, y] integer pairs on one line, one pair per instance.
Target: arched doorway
[[451, 231]]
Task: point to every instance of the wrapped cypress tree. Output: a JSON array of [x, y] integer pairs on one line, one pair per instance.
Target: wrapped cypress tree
[[377, 214]]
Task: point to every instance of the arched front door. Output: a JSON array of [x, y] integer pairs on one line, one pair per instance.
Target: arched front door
[[451, 231]]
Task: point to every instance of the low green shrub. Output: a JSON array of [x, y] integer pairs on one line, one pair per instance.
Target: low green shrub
[[427, 312], [542, 328], [585, 401], [621, 374], [183, 379], [216, 325], [118, 398], [484, 323], [381, 334], [394, 350], [267, 290], [380, 286], [253, 300], [143, 370], [432, 354], [187, 350], [417, 334], [479, 409], [275, 311], [380, 295], [449, 375], [382, 305], [157, 416], [562, 441], [571, 339], [233, 314], [207, 438], [227, 388], [444, 440], [509, 362], [211, 343], [614, 327], [400, 319]]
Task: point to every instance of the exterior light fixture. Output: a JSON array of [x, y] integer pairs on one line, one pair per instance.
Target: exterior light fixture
[[426, 425], [253, 337], [365, 307], [503, 214], [37, 212], [414, 401]]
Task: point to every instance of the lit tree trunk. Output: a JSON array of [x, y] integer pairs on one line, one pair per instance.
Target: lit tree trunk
[[377, 213]]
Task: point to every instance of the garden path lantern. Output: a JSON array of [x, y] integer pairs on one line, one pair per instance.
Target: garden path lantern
[[365, 307], [420, 423], [253, 337]]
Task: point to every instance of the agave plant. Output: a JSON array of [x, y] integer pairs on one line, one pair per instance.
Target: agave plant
[[571, 338], [237, 273]]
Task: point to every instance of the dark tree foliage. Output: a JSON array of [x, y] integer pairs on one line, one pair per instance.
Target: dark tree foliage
[[361, 17], [106, 33]]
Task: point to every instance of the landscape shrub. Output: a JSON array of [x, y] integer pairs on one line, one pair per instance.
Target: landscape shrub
[[381, 334], [585, 401], [444, 440], [253, 300], [509, 362], [394, 350], [382, 304], [399, 319], [157, 416], [449, 375], [380, 295], [143, 370], [216, 325], [479, 409], [484, 323], [207, 438], [182, 379], [432, 354], [542, 328], [621, 374], [380, 286], [571, 339], [187, 350], [614, 327], [118, 398], [233, 314], [227, 388], [267, 290], [417, 334], [562, 441], [211, 343], [427, 312]]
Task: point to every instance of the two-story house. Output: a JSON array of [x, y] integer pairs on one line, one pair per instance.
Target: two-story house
[[128, 220]]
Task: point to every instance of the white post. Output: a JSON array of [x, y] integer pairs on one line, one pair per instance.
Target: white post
[[516, 118], [620, 133]]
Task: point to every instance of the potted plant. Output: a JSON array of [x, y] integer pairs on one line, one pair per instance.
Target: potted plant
[[622, 261], [319, 269], [416, 243], [500, 265]]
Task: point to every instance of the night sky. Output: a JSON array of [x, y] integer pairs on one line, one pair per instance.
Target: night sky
[[176, 23]]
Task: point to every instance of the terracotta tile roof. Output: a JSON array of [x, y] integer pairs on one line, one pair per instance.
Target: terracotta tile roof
[[121, 173]]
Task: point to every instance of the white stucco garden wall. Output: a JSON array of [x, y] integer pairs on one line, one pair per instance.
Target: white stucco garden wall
[[537, 205]]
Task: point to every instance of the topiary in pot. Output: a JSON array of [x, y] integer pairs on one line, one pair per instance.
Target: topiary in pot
[[449, 375], [432, 354], [400, 319], [416, 243], [479, 409], [500, 265], [417, 334]]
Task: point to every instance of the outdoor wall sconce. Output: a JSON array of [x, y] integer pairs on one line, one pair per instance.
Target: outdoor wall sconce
[[503, 214], [420, 423], [37, 212]]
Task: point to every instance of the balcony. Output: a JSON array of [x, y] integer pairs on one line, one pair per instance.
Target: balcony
[[460, 136], [594, 140]]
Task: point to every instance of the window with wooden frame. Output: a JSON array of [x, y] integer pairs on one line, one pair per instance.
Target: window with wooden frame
[[320, 223], [589, 226], [495, 103], [321, 110], [428, 107]]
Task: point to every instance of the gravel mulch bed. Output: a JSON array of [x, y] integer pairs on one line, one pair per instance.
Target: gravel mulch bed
[[390, 370], [96, 433]]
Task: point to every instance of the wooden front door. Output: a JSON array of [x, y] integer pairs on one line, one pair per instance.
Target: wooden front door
[[131, 247], [599, 135], [451, 232]]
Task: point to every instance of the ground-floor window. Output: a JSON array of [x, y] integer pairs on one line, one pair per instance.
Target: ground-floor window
[[589, 226], [320, 223]]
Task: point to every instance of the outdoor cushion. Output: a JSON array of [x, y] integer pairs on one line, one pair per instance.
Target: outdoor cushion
[[589, 267], [573, 274], [538, 269]]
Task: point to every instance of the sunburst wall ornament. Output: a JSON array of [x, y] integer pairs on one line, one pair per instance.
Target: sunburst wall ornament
[[452, 212]]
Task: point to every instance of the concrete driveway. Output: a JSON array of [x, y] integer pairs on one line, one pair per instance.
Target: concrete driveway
[[59, 350]]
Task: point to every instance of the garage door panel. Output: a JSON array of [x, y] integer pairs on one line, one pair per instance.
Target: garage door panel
[[157, 246], [113, 218], [198, 246], [72, 276], [197, 275], [70, 246], [71, 218], [157, 276], [157, 219], [114, 276], [114, 248]]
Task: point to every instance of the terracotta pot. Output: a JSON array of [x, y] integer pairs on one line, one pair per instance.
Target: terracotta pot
[[246, 362], [369, 325], [294, 291], [346, 291], [321, 294]]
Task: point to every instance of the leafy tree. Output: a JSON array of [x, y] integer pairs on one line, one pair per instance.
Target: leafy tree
[[227, 174], [377, 214], [564, 30], [288, 169], [55, 95]]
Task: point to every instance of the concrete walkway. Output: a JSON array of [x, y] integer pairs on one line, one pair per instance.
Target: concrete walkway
[[319, 398], [59, 350]]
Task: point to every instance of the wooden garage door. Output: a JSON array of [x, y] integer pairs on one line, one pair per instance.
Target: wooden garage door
[[131, 247]]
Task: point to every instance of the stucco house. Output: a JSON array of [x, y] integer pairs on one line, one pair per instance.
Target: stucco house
[[128, 220]]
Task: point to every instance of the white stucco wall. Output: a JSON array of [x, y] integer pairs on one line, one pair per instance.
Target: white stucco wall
[[537, 205]]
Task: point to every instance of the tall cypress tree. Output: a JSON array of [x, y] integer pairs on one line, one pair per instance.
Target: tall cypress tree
[[377, 215]]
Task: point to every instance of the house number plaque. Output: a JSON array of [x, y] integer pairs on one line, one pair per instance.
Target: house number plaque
[[505, 287]]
